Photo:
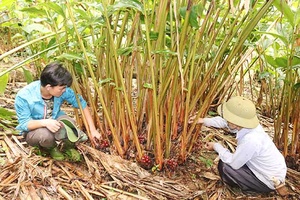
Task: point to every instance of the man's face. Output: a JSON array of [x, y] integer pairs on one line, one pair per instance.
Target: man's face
[[57, 91], [233, 128]]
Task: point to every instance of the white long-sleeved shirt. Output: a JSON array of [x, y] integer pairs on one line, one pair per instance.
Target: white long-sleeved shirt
[[255, 149]]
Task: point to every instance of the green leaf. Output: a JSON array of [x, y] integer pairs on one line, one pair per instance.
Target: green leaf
[[6, 114], [28, 75], [281, 62], [285, 9], [264, 75], [281, 37], [297, 18], [148, 85], [104, 81], [3, 82], [56, 8], [212, 113], [51, 43], [153, 35], [271, 61], [137, 5], [6, 4], [118, 88], [277, 62], [165, 51], [297, 86], [83, 14], [70, 56], [35, 11], [196, 11], [208, 162], [36, 27], [125, 51], [78, 68], [295, 61]]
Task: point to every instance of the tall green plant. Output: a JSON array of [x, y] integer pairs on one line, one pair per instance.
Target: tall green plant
[[281, 71], [145, 67]]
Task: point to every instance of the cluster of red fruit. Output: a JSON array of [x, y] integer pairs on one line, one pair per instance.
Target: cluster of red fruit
[[146, 162], [171, 164], [104, 144], [142, 139]]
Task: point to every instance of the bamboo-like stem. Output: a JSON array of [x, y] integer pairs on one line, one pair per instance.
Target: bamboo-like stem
[[155, 112], [178, 67], [129, 108], [116, 140]]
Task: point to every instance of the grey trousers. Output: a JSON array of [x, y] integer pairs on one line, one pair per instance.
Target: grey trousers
[[243, 178], [42, 137]]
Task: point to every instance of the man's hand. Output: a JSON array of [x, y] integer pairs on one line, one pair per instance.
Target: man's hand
[[96, 137], [210, 146], [51, 124], [192, 119]]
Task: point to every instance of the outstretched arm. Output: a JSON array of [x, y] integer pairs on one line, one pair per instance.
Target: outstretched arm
[[217, 122], [92, 127]]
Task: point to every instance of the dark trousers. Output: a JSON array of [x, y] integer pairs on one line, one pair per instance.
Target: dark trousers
[[42, 137], [243, 178]]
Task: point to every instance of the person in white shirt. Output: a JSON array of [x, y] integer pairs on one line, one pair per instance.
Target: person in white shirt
[[256, 164]]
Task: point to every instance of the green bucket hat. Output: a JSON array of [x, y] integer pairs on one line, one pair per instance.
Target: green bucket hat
[[239, 111], [70, 131]]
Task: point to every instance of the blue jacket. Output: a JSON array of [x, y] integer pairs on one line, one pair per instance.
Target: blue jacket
[[29, 104]]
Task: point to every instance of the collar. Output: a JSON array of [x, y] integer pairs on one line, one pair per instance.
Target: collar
[[241, 133]]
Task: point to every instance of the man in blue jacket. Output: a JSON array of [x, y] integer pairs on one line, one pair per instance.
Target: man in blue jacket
[[38, 109]]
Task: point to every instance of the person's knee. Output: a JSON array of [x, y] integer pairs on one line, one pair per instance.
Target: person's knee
[[48, 140], [221, 166], [41, 137]]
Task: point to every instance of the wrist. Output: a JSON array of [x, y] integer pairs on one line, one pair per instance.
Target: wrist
[[43, 122], [200, 121], [92, 129]]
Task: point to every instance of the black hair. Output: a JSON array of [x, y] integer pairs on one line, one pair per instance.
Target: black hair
[[55, 74]]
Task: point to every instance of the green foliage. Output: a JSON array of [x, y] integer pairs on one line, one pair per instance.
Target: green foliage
[[283, 7], [6, 114], [208, 162], [3, 83], [28, 75], [126, 4], [196, 12]]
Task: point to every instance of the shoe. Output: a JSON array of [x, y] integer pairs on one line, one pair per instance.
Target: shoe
[[72, 155], [56, 154], [67, 144], [40, 151]]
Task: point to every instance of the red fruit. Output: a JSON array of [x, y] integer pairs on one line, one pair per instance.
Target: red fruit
[[142, 139], [171, 164], [104, 144], [146, 162]]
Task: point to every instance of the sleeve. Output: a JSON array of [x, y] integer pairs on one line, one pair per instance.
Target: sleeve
[[244, 152], [23, 113], [217, 122], [70, 97]]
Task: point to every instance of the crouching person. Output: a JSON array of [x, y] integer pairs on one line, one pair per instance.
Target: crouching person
[[256, 165], [41, 121]]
